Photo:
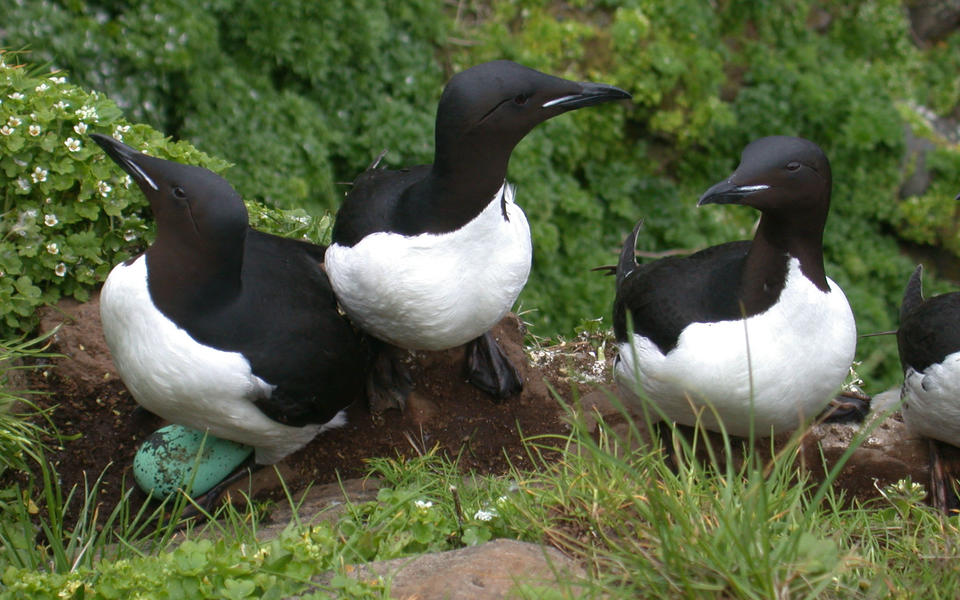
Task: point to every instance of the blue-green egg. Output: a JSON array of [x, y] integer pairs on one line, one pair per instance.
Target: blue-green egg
[[166, 460]]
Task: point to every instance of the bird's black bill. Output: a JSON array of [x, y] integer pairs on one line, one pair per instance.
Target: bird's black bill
[[589, 95], [727, 192], [125, 156]]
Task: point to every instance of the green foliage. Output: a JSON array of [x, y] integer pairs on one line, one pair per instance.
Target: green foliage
[[424, 506], [297, 95]]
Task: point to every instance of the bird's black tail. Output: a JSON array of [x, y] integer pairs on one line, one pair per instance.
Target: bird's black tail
[[913, 295], [628, 259]]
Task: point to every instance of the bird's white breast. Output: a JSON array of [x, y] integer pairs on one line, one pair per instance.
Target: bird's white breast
[[782, 366], [932, 400], [185, 382], [436, 291]]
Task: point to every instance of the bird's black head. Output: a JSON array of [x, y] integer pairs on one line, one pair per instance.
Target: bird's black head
[[192, 205], [492, 106], [778, 175]]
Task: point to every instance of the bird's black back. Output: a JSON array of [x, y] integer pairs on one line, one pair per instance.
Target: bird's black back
[[665, 296], [286, 323], [372, 204], [929, 332]]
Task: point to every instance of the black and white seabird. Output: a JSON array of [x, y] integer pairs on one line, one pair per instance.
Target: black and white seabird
[[431, 257], [753, 329], [223, 328], [928, 340]]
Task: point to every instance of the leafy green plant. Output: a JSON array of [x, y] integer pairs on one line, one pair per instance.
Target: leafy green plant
[[425, 505]]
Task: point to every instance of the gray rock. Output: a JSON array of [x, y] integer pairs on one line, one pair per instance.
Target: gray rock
[[489, 571]]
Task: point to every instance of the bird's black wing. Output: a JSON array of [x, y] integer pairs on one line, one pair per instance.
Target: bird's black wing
[[298, 341], [665, 296]]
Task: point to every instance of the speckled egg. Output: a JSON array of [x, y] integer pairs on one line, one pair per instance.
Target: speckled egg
[[165, 461]]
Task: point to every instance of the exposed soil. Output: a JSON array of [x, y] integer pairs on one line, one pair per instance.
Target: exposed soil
[[94, 411]]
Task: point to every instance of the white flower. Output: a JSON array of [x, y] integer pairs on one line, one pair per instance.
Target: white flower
[[25, 186], [423, 504], [31, 213], [6, 130], [80, 128], [50, 220], [72, 144], [53, 248], [38, 175], [60, 270], [103, 188], [129, 235], [42, 88], [87, 113], [13, 121], [48, 200], [484, 515], [16, 96], [58, 79], [61, 105], [2, 272], [127, 180], [34, 130]]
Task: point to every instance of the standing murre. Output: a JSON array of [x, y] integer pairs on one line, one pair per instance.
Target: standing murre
[[753, 329], [432, 257], [928, 340], [223, 328]]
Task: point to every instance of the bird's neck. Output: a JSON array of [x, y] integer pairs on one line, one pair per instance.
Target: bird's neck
[[460, 184], [185, 281], [765, 268]]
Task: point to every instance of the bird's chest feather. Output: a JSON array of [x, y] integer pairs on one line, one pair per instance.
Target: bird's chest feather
[[434, 291]]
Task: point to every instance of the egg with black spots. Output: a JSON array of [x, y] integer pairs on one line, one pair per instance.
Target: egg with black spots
[[176, 457]]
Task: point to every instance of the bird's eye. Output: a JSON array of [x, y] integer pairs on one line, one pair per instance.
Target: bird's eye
[[521, 99], [793, 165], [179, 194]]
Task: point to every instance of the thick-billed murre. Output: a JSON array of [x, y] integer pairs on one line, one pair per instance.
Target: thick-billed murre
[[223, 328], [751, 329], [433, 256], [928, 340]]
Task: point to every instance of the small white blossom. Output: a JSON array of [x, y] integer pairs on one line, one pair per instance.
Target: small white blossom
[[42, 88], [103, 188], [484, 515], [48, 200], [129, 235], [423, 504], [53, 248], [80, 128], [34, 130], [87, 113], [31, 213], [60, 270], [16, 96], [61, 105], [50, 220], [39, 174], [2, 272], [60, 80], [127, 180], [72, 144], [6, 130], [14, 122], [24, 185]]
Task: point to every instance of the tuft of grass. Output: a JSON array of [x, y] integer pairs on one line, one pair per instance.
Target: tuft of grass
[[20, 437]]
